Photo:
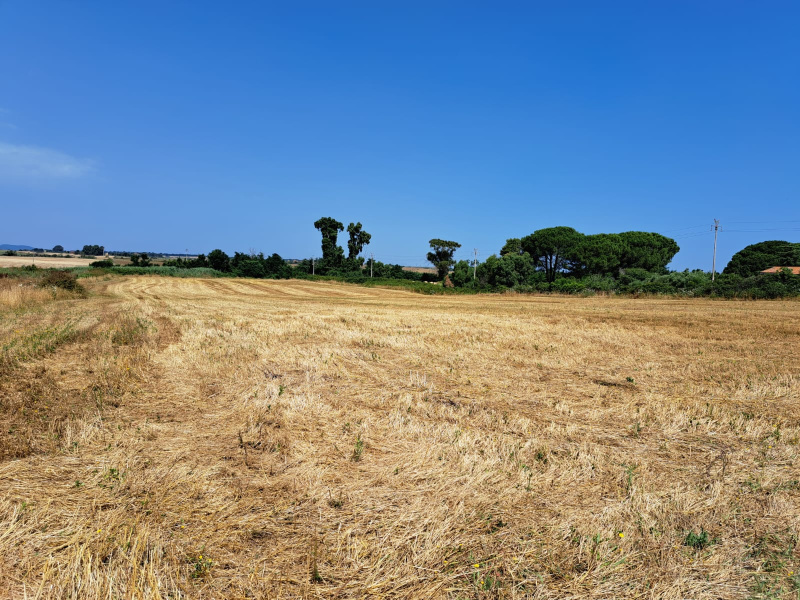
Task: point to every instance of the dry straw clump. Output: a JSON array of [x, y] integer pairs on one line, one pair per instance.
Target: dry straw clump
[[257, 439]]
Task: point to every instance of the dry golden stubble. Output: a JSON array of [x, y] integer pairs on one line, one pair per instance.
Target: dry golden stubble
[[293, 439]]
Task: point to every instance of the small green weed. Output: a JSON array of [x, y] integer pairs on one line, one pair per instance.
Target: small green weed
[[630, 473], [130, 331], [698, 541], [112, 478], [201, 566], [358, 450]]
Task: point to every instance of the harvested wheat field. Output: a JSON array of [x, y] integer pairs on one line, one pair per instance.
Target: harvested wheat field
[[184, 438], [45, 262]]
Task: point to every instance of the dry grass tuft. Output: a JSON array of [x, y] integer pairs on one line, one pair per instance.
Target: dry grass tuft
[[15, 293], [256, 439]]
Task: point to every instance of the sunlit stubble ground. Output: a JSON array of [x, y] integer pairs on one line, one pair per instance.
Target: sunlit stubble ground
[[240, 439]]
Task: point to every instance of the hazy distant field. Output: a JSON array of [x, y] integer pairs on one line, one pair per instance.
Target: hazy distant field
[[44, 261], [231, 438]]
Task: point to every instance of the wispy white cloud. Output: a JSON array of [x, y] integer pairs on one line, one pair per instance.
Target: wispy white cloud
[[26, 163]]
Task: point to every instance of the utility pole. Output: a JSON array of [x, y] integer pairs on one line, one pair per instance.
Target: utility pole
[[714, 260], [371, 262], [475, 265], [312, 266]]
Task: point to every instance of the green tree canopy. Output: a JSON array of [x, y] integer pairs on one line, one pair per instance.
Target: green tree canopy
[[462, 273], [754, 258], [250, 267], [330, 228], [509, 270], [58, 248], [93, 250], [600, 254], [275, 266], [358, 239], [646, 250], [140, 260], [607, 253], [219, 261], [200, 261], [512, 246], [441, 255], [248, 264], [553, 249]]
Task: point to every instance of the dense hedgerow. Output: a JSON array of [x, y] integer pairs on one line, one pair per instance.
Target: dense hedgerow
[[634, 282]]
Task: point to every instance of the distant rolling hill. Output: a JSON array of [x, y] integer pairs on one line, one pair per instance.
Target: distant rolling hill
[[15, 247]]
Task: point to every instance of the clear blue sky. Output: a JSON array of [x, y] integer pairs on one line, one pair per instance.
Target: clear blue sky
[[167, 126]]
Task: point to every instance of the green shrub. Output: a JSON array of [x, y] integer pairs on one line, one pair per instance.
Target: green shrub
[[567, 285], [99, 264], [61, 279]]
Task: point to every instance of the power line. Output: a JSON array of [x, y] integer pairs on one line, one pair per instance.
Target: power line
[[692, 235], [763, 222], [685, 228], [766, 229]]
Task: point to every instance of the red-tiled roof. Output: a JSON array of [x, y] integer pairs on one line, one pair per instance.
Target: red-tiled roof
[[795, 270]]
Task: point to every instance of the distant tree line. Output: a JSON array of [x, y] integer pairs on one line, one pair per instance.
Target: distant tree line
[[562, 252], [93, 250], [353, 266], [555, 259], [563, 260], [334, 262]]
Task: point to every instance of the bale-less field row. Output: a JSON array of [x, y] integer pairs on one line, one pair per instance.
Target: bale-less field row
[[185, 438], [45, 262]]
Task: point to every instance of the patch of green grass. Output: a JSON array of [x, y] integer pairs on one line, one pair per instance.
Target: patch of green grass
[[130, 331], [44, 340]]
